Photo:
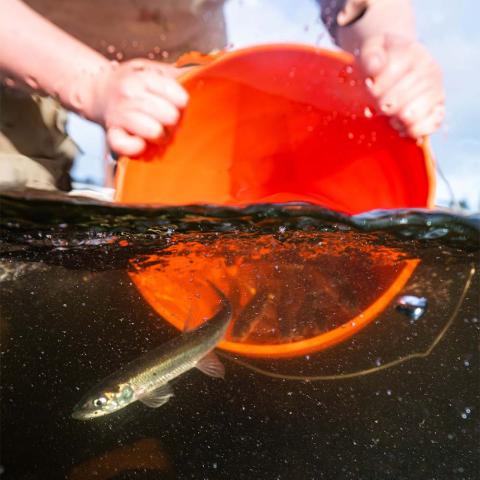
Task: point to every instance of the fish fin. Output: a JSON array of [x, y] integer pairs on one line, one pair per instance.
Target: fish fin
[[212, 366], [187, 325], [158, 397]]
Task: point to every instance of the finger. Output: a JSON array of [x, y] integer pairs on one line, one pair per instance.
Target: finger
[[123, 143], [156, 107], [139, 124], [407, 91], [373, 57], [429, 124], [398, 64], [177, 72], [167, 88], [415, 111]]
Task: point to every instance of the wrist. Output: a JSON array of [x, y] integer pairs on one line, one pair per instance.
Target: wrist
[[86, 93]]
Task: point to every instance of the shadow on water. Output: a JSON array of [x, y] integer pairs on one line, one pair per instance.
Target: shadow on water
[[328, 374]]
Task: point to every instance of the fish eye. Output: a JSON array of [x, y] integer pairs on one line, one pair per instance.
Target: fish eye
[[100, 402]]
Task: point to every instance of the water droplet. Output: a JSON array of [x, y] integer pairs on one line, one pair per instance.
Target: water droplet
[[31, 82], [436, 233], [368, 113], [411, 306], [349, 69], [350, 135], [10, 82], [76, 100], [111, 49]]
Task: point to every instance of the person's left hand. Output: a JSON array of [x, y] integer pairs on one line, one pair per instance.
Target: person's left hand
[[406, 81]]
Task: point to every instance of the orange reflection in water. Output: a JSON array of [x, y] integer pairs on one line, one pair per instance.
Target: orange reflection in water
[[292, 295]]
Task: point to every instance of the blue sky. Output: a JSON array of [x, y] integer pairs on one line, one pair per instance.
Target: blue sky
[[448, 28]]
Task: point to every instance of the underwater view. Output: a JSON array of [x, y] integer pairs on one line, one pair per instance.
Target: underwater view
[[239, 240], [348, 344]]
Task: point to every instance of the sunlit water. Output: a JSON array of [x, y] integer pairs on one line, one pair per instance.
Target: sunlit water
[[82, 293]]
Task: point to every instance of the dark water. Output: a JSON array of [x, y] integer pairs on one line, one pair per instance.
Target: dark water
[[397, 399]]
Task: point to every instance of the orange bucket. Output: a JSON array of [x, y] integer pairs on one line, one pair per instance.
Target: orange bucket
[[280, 123], [276, 123]]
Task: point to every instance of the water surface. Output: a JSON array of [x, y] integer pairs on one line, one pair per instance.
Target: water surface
[[399, 398]]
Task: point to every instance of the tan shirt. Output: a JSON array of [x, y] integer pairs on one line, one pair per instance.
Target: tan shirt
[[124, 29]]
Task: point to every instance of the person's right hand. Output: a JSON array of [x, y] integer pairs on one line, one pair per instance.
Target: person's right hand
[[135, 101]]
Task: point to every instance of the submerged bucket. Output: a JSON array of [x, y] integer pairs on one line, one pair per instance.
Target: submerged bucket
[[281, 123], [275, 123]]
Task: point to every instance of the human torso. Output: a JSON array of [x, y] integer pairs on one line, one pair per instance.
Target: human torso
[[123, 29]]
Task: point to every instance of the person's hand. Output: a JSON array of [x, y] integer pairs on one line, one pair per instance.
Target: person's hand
[[136, 102], [406, 81]]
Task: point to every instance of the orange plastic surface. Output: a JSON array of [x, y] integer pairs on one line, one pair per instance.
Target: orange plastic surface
[[273, 289], [281, 123]]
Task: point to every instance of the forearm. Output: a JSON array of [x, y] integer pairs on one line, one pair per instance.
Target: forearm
[[351, 22], [37, 54]]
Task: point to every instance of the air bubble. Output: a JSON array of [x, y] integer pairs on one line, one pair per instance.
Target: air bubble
[[9, 82], [32, 83], [411, 306]]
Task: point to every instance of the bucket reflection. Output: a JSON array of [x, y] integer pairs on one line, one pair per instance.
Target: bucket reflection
[[292, 294]]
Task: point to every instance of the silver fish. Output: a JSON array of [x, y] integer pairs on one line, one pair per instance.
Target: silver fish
[[146, 378]]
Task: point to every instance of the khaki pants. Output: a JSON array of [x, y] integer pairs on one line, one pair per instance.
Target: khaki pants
[[35, 150]]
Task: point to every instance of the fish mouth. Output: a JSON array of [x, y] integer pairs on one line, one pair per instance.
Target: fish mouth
[[81, 413], [78, 415]]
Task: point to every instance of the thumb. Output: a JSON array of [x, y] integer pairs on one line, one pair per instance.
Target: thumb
[[373, 57]]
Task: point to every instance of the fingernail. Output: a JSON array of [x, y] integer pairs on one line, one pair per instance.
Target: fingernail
[[171, 114], [179, 94], [386, 107], [408, 114]]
